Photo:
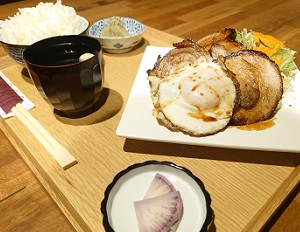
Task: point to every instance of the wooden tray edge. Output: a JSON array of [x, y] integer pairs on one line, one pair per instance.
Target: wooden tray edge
[[65, 206], [264, 215]]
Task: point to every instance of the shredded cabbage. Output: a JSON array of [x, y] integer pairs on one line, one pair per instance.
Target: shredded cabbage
[[245, 38]]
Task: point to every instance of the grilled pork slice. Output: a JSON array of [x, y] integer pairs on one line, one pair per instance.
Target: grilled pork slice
[[185, 54], [227, 34], [260, 85], [225, 48], [221, 43]]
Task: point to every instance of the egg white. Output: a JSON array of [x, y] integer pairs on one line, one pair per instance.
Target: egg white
[[198, 100]]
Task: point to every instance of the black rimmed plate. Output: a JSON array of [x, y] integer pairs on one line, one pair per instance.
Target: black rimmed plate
[[131, 185]]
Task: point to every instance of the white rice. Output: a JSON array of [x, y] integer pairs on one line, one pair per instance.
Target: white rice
[[32, 24]]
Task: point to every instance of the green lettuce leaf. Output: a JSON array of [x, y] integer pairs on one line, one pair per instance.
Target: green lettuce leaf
[[287, 55]]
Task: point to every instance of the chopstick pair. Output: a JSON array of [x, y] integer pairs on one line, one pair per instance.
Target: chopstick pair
[[58, 152]]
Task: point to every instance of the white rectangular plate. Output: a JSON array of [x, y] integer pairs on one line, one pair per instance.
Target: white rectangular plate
[[138, 122]]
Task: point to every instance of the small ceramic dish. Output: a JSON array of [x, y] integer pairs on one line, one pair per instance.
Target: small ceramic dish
[[118, 44], [131, 184]]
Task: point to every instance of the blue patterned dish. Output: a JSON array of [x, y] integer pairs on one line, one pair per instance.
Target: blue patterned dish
[[15, 51], [118, 44]]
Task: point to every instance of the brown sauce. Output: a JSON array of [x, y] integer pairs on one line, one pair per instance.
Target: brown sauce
[[262, 125]]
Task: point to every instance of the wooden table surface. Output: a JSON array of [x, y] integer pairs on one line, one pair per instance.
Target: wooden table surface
[[247, 187]]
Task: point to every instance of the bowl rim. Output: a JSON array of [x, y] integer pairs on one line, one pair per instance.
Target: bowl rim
[[18, 45], [209, 215], [116, 37], [25, 45], [63, 37]]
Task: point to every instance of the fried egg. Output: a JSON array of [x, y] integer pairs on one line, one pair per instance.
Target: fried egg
[[198, 100]]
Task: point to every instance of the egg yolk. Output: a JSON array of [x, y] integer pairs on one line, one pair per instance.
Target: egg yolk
[[201, 88]]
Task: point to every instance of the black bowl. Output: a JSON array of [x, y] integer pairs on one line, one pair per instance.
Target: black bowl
[[131, 184], [71, 86]]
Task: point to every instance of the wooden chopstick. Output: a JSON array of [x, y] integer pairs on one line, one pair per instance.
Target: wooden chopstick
[[56, 150]]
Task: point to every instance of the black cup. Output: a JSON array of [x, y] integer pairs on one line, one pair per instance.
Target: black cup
[[70, 85]]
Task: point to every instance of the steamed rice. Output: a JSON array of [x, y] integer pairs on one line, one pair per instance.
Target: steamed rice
[[32, 24]]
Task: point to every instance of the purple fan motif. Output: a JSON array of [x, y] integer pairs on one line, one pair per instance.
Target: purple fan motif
[[8, 97]]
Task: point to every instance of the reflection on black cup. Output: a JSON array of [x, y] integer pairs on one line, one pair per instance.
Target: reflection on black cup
[[70, 85]]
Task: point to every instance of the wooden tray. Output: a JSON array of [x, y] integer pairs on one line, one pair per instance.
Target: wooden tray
[[246, 187]]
